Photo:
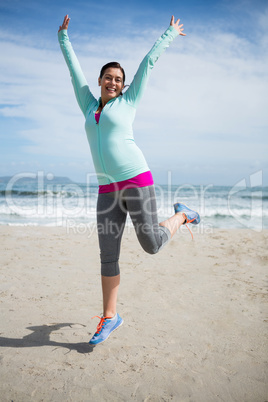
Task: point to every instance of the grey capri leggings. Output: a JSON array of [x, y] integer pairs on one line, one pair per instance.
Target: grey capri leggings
[[112, 209]]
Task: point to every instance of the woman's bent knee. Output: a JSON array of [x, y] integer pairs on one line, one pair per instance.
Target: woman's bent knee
[[151, 250]]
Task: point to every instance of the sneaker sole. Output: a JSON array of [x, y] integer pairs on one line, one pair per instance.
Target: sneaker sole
[[194, 223]]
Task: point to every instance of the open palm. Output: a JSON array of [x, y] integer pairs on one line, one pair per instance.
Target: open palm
[[177, 26]]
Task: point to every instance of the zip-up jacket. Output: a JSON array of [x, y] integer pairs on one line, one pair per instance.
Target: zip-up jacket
[[115, 154]]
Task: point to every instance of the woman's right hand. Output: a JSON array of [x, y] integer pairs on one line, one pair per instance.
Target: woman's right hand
[[65, 23]]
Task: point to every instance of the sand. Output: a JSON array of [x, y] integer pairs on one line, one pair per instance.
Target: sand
[[195, 321]]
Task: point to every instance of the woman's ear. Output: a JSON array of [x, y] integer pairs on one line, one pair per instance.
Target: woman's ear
[[99, 81]]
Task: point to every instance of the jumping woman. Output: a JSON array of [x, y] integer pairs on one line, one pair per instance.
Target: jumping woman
[[125, 181]]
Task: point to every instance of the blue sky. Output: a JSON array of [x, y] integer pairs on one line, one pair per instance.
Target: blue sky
[[203, 119]]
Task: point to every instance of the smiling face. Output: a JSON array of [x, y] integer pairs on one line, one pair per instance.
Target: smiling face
[[111, 84]]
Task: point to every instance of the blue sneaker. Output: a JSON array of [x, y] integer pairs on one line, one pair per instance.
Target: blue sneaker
[[105, 327], [190, 215]]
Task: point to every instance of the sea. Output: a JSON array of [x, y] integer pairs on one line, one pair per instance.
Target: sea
[[36, 199]]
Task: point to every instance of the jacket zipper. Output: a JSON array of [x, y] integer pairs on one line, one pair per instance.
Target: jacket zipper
[[100, 153]]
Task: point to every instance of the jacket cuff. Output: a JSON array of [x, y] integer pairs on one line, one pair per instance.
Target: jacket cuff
[[63, 34], [172, 31]]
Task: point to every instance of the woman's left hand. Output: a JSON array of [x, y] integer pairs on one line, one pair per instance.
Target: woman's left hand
[[177, 26]]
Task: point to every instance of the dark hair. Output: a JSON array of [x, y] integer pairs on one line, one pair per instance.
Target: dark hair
[[112, 64]]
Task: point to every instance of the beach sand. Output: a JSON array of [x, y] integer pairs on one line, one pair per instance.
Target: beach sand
[[194, 329]]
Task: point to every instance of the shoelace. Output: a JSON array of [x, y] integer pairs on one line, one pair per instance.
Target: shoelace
[[101, 323], [188, 221]]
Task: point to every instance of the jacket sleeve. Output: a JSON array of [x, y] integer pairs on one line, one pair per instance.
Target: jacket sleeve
[[83, 95], [136, 89]]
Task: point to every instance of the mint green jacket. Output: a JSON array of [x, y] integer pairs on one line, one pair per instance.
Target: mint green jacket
[[115, 154]]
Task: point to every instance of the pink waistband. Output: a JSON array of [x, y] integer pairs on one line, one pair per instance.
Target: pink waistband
[[142, 180]]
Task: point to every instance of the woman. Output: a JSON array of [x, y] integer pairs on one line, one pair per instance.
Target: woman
[[125, 181]]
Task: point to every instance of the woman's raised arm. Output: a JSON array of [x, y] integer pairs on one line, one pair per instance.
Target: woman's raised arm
[[136, 89], [83, 95]]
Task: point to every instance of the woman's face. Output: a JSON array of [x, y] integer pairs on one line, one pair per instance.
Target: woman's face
[[111, 84]]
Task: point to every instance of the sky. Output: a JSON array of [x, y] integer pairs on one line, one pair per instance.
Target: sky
[[203, 119]]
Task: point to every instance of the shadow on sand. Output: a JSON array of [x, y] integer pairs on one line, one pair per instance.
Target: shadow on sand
[[40, 336]]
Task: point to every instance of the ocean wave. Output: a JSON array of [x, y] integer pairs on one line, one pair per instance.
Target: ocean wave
[[255, 197], [55, 205], [40, 193], [243, 213]]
